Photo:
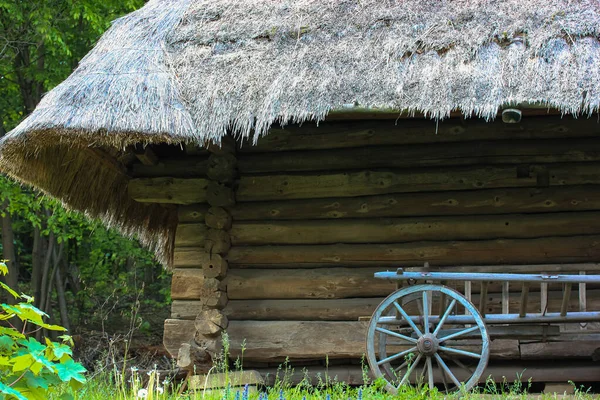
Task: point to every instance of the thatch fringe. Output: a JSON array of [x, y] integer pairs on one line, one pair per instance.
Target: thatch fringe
[[84, 180]]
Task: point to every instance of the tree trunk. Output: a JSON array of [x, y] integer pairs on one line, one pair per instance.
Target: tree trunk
[[9, 254], [36, 265], [62, 302]]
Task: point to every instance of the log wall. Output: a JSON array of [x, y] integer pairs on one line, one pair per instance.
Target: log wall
[[298, 224]]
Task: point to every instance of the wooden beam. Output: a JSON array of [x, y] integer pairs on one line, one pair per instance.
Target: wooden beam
[[145, 154], [176, 333], [468, 202], [379, 230], [186, 283], [168, 190], [364, 183], [181, 167], [277, 340], [194, 213], [426, 155], [190, 235], [305, 283], [327, 135], [572, 249]]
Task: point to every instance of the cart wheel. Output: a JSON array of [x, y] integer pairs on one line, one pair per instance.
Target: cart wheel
[[427, 334]]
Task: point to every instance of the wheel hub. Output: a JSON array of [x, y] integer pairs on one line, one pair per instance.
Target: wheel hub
[[428, 344]]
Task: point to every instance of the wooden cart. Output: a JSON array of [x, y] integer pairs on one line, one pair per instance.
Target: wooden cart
[[429, 333]]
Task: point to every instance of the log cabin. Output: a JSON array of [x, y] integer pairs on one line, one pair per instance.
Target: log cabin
[[275, 155]]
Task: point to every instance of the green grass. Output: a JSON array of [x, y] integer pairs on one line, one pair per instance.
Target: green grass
[[104, 387]]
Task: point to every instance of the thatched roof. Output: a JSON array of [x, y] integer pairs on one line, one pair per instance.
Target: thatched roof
[[190, 71]]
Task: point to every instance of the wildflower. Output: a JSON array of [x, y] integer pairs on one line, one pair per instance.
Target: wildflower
[[237, 395], [246, 392], [142, 393], [359, 394], [159, 390], [328, 397], [134, 369], [281, 397]]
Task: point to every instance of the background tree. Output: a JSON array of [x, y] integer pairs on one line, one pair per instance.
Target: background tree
[[68, 262]]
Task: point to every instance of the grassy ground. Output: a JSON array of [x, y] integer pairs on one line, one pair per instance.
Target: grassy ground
[[104, 388]]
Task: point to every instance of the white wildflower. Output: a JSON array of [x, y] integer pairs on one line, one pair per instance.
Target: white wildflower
[[142, 393]]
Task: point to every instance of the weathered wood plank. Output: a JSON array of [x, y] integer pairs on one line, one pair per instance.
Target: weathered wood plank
[[309, 136], [353, 308], [180, 167], [469, 202], [177, 332], [428, 155], [194, 213], [190, 235], [277, 340], [558, 350], [306, 284], [500, 251], [168, 190], [186, 283], [364, 183], [379, 230]]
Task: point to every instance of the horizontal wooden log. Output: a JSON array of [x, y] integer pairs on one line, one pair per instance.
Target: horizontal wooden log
[[186, 283], [501, 251], [180, 167], [564, 349], [190, 235], [305, 284], [278, 340], [168, 190], [213, 265], [379, 230], [352, 309], [468, 202], [384, 133], [194, 213], [364, 183], [176, 333], [520, 268], [426, 155]]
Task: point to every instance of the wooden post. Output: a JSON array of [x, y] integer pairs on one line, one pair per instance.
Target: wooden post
[[524, 296]]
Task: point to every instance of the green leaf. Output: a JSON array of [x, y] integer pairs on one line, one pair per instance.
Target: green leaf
[[3, 268], [71, 370], [23, 362], [6, 343], [61, 349], [10, 391]]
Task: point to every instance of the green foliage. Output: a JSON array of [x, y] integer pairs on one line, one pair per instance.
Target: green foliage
[[28, 368], [42, 41], [109, 266]]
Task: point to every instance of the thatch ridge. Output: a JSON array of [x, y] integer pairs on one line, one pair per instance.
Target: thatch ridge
[[191, 71]]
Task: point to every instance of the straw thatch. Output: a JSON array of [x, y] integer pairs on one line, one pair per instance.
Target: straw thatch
[[190, 71]]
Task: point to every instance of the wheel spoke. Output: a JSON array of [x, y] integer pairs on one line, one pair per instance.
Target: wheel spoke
[[408, 319], [430, 372], [459, 333], [463, 366], [410, 370], [443, 319], [425, 312], [447, 370], [396, 356], [404, 364], [460, 352], [443, 373], [395, 334]]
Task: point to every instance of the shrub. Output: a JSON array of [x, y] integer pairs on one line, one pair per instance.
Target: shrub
[[30, 370]]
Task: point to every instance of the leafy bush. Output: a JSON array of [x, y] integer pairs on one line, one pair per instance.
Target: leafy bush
[[30, 370]]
